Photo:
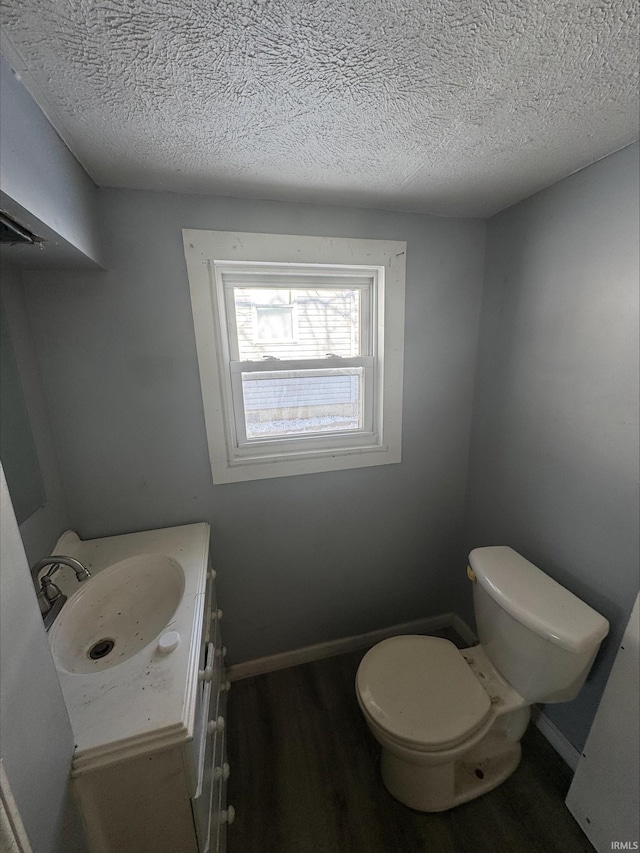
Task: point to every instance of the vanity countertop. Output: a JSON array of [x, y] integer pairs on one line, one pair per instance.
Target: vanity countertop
[[148, 700]]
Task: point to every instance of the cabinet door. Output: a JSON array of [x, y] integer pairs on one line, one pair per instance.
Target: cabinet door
[[221, 813], [139, 806], [206, 689], [201, 804], [205, 803]]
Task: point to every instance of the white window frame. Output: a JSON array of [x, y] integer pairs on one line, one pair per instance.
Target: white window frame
[[369, 280], [213, 257]]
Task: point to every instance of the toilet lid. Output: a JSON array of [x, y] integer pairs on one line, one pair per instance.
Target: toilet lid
[[421, 690]]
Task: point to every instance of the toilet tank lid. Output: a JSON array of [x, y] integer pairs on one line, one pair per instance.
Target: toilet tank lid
[[536, 600]]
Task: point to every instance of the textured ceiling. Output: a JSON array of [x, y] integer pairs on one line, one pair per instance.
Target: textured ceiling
[[458, 107]]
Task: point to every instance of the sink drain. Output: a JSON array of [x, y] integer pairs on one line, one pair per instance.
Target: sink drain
[[101, 649]]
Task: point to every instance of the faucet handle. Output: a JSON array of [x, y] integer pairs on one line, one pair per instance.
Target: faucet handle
[[53, 568], [50, 590]]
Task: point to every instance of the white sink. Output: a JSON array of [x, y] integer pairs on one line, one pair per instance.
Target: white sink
[[142, 585], [116, 613]]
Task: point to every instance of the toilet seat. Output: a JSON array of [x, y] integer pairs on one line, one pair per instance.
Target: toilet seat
[[421, 691]]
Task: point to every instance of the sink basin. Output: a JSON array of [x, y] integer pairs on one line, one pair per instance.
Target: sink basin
[[117, 613]]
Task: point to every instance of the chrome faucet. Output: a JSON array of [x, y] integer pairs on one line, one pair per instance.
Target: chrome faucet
[[50, 596]]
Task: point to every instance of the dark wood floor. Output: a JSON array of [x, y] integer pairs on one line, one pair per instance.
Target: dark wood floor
[[304, 779]]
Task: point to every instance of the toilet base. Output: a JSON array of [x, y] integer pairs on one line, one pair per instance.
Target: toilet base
[[437, 788]]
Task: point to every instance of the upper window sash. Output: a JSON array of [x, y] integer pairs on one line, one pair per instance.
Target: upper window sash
[[228, 275]]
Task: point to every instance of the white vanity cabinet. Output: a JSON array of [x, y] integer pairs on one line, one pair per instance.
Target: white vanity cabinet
[[159, 787]]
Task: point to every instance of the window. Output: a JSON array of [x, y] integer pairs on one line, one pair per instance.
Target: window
[[300, 343]]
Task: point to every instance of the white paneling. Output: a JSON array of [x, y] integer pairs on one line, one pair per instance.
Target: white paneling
[[36, 741], [604, 796]]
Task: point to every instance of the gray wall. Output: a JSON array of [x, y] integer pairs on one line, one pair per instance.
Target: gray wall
[[554, 459], [41, 183], [39, 173], [36, 742], [41, 530], [301, 559]]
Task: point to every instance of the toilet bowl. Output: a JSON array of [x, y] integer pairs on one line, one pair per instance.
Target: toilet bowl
[[450, 721]]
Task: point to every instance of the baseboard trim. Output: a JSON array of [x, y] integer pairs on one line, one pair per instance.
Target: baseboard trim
[[565, 749], [271, 663], [463, 630]]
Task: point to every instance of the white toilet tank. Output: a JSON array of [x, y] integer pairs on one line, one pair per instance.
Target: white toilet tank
[[540, 636]]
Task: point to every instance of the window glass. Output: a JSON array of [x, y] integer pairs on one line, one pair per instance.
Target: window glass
[[302, 402], [295, 323]]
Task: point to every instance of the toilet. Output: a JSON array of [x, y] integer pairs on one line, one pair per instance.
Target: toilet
[[450, 721]]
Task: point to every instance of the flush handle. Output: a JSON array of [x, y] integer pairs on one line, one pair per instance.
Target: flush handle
[[471, 574]]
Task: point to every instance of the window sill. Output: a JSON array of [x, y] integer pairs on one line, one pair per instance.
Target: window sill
[[304, 462]]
